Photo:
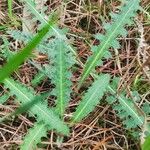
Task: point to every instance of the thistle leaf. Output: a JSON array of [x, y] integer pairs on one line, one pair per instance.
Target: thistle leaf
[[43, 113], [34, 136], [125, 108], [91, 98], [38, 78], [113, 30], [21, 36], [62, 60], [32, 6], [146, 108], [42, 20], [4, 98]]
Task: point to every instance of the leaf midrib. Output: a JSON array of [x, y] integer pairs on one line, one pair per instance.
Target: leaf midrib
[[60, 80], [45, 21], [41, 128], [131, 110], [103, 48], [76, 118], [27, 98]]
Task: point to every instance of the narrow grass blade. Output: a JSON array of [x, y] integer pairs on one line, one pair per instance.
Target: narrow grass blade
[[19, 58], [146, 145]]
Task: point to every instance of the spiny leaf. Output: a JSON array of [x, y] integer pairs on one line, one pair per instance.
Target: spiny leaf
[[31, 5], [54, 17], [61, 59], [115, 29], [4, 98], [27, 106], [126, 108], [21, 36], [91, 98], [19, 58], [34, 136], [10, 12], [40, 15], [44, 45], [43, 113], [27, 37], [6, 53], [146, 108], [38, 78]]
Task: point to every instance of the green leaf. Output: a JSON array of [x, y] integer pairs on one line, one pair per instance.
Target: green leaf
[[39, 16], [41, 110], [42, 20], [3, 98], [32, 7], [62, 60], [125, 107], [27, 106], [113, 30], [91, 98], [6, 53], [2, 27], [146, 145], [146, 108], [34, 136], [38, 78], [21, 36], [10, 14], [19, 58]]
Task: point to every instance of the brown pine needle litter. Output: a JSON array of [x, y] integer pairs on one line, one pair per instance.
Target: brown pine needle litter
[[79, 26]]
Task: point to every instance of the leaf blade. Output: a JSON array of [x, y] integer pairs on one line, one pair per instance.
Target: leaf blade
[[34, 136], [111, 34], [19, 58], [43, 113], [91, 98]]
